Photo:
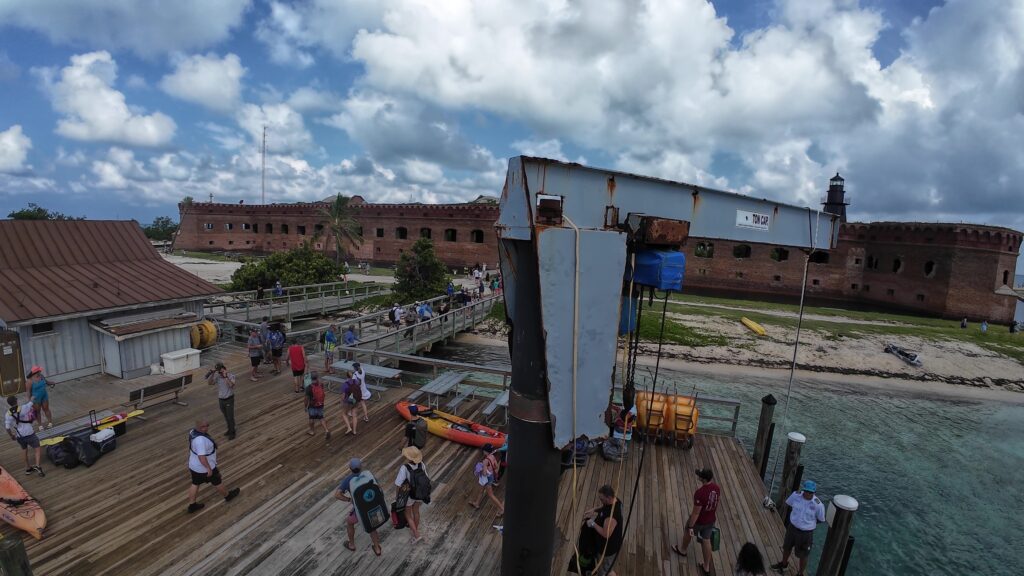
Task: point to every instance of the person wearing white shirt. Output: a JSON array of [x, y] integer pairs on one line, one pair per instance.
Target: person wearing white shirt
[[806, 511], [202, 465], [359, 374], [18, 422]]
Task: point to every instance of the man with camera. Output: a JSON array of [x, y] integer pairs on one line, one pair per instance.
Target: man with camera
[[225, 383]]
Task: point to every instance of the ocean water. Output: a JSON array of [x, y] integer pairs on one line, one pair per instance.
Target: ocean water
[[940, 482]]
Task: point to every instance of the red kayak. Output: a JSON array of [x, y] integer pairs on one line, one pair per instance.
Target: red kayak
[[451, 427]]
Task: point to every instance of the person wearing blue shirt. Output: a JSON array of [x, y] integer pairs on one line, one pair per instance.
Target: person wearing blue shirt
[[349, 339], [330, 343], [344, 493], [450, 289], [806, 513], [40, 397]]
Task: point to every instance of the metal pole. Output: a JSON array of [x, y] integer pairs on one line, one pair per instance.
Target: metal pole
[[840, 517], [761, 444], [846, 555], [789, 466], [531, 492], [764, 462]]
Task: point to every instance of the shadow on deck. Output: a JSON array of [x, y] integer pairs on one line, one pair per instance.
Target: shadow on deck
[[126, 514]]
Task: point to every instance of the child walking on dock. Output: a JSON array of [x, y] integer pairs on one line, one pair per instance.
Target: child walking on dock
[[18, 422], [486, 474]]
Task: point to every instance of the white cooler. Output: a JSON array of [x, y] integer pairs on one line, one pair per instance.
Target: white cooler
[[180, 361]]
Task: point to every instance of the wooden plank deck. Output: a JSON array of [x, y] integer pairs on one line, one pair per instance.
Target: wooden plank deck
[[127, 512]]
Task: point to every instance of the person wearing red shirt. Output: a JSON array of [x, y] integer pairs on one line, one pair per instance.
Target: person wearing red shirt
[[297, 360], [702, 520]]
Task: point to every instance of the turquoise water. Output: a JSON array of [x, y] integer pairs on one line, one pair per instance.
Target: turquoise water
[[939, 482]]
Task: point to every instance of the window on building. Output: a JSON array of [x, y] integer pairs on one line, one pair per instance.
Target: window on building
[[776, 278], [319, 246], [378, 249], [856, 261], [1006, 277], [704, 250], [897, 265], [425, 233], [210, 242], [890, 292], [779, 254], [42, 328], [284, 244], [318, 229], [815, 282], [853, 286], [477, 236], [256, 228], [702, 272], [231, 242], [401, 233], [380, 232], [860, 236], [872, 263], [359, 231], [451, 235], [741, 251], [284, 228], [229, 226], [929, 269], [920, 297], [300, 230], [246, 226], [819, 258], [208, 226], [739, 274], [270, 229], [867, 288]]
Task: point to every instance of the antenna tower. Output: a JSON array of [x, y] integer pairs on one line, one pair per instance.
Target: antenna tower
[[263, 166]]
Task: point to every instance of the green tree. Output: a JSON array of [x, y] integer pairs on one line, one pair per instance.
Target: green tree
[[420, 274], [293, 268], [36, 212], [162, 228], [342, 223]]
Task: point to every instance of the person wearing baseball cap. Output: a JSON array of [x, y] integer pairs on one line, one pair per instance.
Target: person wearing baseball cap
[[344, 493], [701, 522], [806, 511], [37, 393]]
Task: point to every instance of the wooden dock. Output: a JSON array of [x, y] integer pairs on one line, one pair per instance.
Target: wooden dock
[[126, 514]]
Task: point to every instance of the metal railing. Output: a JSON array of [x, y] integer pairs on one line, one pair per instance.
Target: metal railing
[[295, 300]]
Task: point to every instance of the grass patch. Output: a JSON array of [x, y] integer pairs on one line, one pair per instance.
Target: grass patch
[[212, 256], [676, 333], [497, 312], [375, 271]]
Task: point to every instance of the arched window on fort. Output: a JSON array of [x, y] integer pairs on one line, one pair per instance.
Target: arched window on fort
[[284, 228], [819, 258], [929, 269], [872, 263], [477, 236], [897, 265], [380, 232], [741, 251], [401, 233], [269, 229], [451, 235], [1006, 277], [425, 233], [779, 254], [704, 250]]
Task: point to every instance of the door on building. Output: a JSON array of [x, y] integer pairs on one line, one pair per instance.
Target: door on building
[[12, 369], [111, 356]]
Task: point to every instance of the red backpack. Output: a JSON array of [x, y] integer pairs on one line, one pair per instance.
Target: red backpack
[[316, 390]]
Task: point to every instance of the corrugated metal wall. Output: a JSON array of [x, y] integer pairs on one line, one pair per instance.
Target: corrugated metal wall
[[72, 350], [138, 353]]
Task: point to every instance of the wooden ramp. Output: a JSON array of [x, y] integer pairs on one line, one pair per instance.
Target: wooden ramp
[[126, 514]]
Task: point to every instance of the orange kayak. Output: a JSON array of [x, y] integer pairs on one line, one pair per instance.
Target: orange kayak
[[18, 508], [451, 427]]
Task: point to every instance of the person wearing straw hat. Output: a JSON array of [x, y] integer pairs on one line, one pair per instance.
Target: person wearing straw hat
[[410, 480], [40, 397], [806, 513]]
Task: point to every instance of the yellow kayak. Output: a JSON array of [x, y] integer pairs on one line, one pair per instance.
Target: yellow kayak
[[754, 326]]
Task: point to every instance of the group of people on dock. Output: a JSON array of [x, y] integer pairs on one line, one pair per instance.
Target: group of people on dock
[[23, 418]]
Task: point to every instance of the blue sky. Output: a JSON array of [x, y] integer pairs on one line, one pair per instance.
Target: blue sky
[[119, 108]]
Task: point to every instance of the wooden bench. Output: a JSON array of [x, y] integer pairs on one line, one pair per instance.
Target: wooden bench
[[338, 381], [439, 387], [500, 402], [460, 397], [175, 387]]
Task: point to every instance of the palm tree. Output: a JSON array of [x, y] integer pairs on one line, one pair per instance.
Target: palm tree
[[343, 225]]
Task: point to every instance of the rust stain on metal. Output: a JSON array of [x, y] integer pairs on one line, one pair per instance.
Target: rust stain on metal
[[611, 189], [696, 201], [663, 231], [528, 409]]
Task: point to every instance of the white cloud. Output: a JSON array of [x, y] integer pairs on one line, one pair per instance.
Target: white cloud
[[146, 27], [209, 81], [292, 31], [9, 71], [551, 148], [136, 82], [312, 99], [284, 37], [94, 111], [72, 159], [286, 131], [14, 147], [225, 137]]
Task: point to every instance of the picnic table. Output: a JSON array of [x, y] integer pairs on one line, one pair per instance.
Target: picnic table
[[439, 387], [380, 373]]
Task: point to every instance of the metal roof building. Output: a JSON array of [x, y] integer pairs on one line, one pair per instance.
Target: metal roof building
[[93, 296]]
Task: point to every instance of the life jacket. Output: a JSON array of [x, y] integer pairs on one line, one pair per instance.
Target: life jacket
[[276, 339], [193, 434], [15, 412]]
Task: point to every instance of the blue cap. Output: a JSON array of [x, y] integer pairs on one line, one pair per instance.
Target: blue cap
[[355, 464], [809, 486]]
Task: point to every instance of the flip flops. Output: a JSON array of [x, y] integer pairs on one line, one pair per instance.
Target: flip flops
[[675, 548], [376, 549], [351, 546]]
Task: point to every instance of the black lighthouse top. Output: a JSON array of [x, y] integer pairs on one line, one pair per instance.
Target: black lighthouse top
[[835, 202]]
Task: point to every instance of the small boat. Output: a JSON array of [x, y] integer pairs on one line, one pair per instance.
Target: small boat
[[452, 427], [18, 508], [754, 326], [912, 358]]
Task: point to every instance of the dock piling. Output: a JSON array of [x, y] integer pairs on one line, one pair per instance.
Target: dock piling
[[763, 439], [840, 517], [795, 443]]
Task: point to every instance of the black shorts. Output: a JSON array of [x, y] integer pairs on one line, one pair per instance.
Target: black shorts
[[200, 478], [276, 352], [703, 531], [255, 361], [800, 541], [298, 373], [30, 441]]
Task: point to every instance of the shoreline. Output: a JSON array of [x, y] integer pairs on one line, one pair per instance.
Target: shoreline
[[930, 389]]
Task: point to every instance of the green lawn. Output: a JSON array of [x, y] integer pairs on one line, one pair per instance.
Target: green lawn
[[205, 256], [375, 271]]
